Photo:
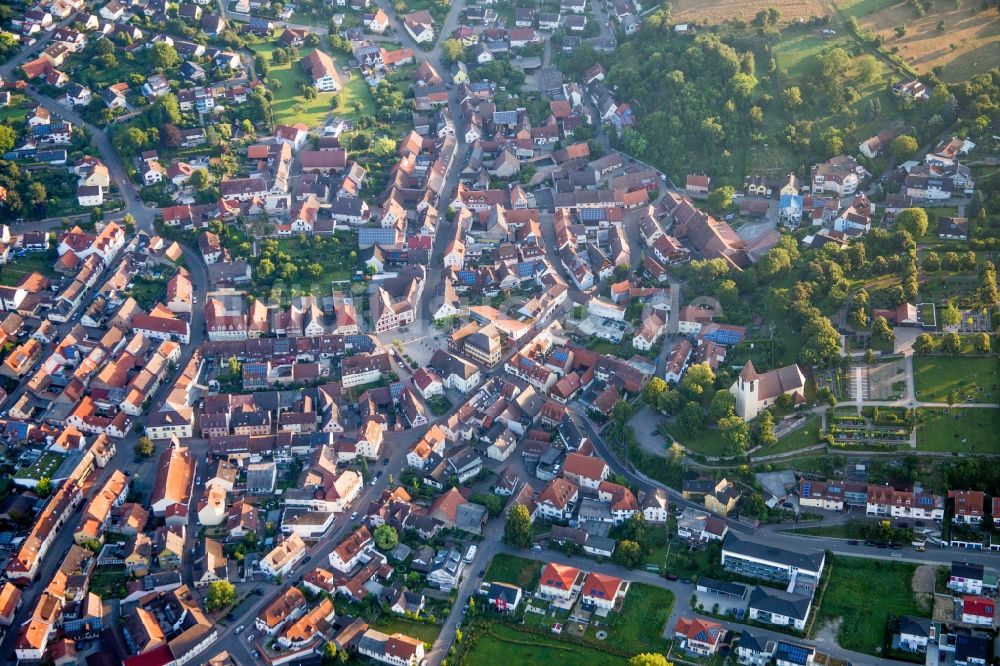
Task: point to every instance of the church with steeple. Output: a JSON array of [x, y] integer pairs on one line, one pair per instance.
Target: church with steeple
[[756, 392]]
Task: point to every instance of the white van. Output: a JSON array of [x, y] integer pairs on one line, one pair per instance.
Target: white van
[[470, 554]]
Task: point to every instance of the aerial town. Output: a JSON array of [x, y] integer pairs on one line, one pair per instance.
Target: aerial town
[[533, 332]]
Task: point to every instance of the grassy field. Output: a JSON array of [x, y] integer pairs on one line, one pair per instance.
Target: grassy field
[[514, 570], [976, 379], [885, 587], [971, 430], [35, 262], [708, 442], [716, 11], [506, 645], [967, 43], [290, 106], [391, 624], [639, 627], [805, 436]]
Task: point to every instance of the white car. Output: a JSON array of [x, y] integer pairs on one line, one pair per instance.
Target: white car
[[240, 628], [354, 516], [250, 638]]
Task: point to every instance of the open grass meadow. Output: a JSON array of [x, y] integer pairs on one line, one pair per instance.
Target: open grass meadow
[[804, 436], [514, 570], [716, 11], [969, 430], [975, 378], [863, 594]]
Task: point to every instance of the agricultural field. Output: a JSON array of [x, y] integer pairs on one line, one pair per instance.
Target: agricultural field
[[962, 40], [715, 11]]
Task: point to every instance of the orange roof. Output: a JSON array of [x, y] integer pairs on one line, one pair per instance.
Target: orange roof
[[559, 576], [585, 466], [601, 586], [558, 493], [10, 597], [353, 544], [282, 607]]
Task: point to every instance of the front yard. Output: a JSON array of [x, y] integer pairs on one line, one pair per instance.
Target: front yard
[[862, 594]]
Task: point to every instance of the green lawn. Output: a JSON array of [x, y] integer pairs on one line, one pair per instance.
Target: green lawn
[[639, 626], [514, 570], [108, 582], [972, 430], [332, 254], [507, 645], [975, 378], [863, 593], [391, 624], [806, 435], [708, 442]]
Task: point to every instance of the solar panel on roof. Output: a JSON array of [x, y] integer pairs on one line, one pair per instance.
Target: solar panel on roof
[[592, 214], [806, 489], [560, 355], [793, 653], [396, 389]]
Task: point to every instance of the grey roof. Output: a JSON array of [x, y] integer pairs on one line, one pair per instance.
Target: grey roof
[[470, 516], [748, 641], [811, 560], [915, 626], [503, 591], [967, 570], [779, 602], [713, 585]]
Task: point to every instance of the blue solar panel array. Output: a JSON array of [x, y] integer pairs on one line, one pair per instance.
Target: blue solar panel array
[[466, 277], [592, 214], [505, 117], [806, 489], [561, 355], [361, 342], [525, 269], [396, 390], [795, 654], [926, 500], [724, 337]]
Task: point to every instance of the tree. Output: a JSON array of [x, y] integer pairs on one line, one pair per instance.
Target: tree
[[627, 554], [493, 503], [383, 146], [923, 345], [792, 98], [951, 343], [144, 447], [720, 199], [653, 392], [386, 537], [329, 654], [950, 316], [903, 147], [37, 196], [199, 179], [44, 487], [649, 659], [881, 330], [736, 435], [764, 429], [912, 220], [698, 382], [517, 530], [221, 594], [691, 420], [164, 56], [982, 343], [7, 138], [723, 404], [988, 288], [932, 262], [621, 412], [452, 50]]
